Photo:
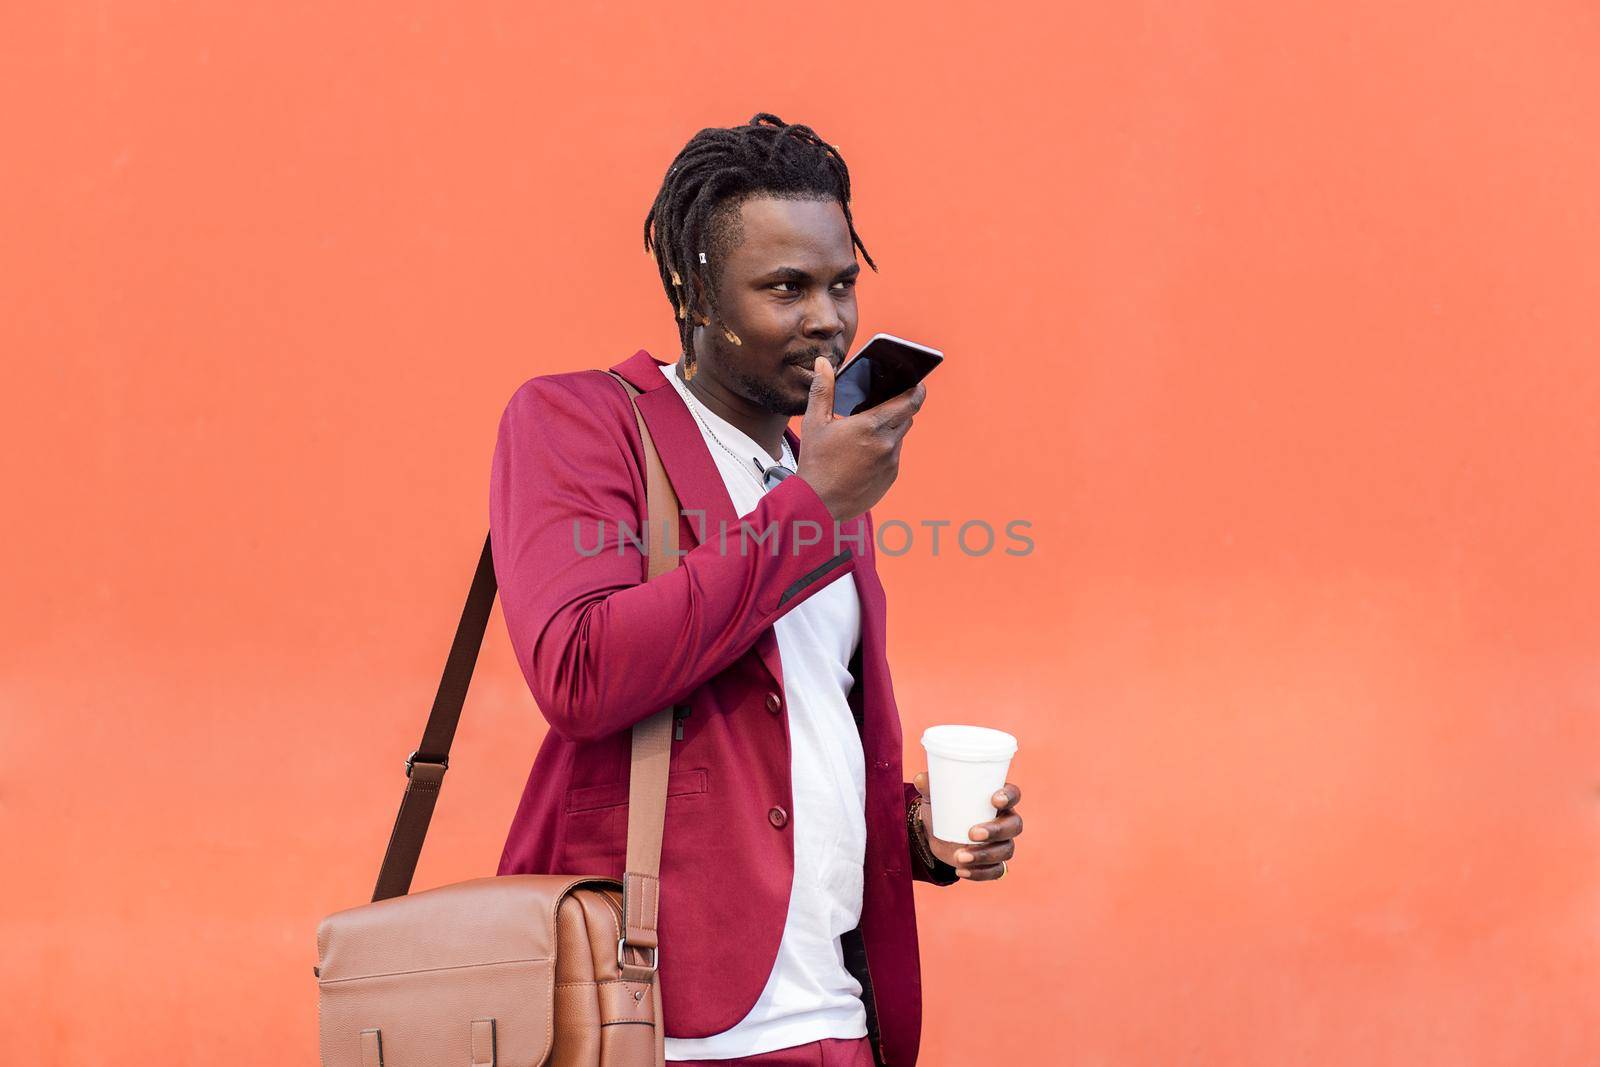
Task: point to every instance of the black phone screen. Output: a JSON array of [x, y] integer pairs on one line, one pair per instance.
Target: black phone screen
[[884, 368]]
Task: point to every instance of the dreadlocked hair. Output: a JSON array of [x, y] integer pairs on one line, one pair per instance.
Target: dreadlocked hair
[[694, 221]]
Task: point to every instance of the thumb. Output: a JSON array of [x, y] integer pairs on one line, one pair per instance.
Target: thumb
[[819, 406], [921, 782]]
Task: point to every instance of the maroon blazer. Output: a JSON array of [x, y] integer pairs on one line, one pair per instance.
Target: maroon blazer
[[602, 648]]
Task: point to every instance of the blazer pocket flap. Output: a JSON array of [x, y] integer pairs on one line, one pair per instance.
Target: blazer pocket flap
[[610, 794]]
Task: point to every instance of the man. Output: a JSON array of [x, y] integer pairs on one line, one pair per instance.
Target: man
[[786, 920]]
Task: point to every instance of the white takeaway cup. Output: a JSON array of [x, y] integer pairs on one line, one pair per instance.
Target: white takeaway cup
[[967, 766]]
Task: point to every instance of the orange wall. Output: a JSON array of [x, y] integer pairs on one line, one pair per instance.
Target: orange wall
[[1276, 321]]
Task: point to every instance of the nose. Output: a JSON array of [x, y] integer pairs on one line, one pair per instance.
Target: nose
[[822, 321]]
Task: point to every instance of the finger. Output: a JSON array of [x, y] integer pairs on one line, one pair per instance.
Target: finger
[[980, 874], [1009, 797], [819, 404], [980, 855], [893, 434], [913, 398], [897, 409], [1003, 828]]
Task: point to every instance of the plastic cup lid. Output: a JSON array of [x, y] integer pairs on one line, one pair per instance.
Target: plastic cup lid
[[971, 743]]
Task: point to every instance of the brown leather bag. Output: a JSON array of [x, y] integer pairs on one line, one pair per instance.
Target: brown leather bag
[[509, 971]]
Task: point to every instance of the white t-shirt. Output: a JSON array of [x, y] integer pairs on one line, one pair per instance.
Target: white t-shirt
[[810, 994]]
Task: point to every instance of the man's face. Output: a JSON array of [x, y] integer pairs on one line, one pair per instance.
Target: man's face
[[788, 290]]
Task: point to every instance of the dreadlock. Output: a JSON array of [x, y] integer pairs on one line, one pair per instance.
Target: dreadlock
[[695, 218]]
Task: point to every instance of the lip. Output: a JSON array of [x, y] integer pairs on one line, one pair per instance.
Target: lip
[[807, 365]]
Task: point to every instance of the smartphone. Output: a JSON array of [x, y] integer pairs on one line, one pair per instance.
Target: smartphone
[[885, 367]]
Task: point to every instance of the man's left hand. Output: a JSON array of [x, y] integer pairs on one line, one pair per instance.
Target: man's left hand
[[995, 841]]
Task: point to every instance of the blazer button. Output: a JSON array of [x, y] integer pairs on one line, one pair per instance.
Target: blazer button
[[774, 702], [778, 817]]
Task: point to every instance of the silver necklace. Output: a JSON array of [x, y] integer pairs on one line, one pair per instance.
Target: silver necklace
[[693, 403]]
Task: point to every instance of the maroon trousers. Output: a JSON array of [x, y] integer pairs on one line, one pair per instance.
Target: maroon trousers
[[829, 1052]]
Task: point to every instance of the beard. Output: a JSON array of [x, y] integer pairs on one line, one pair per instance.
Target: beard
[[766, 394]]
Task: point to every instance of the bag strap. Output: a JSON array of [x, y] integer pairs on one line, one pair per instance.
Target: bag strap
[[426, 766], [651, 738]]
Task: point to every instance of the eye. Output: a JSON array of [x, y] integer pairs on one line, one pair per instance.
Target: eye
[[776, 284], [848, 283]]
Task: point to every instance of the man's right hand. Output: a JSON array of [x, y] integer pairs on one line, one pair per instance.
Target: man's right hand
[[851, 461]]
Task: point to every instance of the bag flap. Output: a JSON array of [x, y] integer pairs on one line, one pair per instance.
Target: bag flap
[[426, 970]]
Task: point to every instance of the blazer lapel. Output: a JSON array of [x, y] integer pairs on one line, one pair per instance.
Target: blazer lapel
[[690, 468]]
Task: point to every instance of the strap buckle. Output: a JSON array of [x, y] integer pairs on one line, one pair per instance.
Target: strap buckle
[[655, 954], [442, 762]]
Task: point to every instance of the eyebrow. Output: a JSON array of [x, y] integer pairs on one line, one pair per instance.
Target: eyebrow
[[795, 274]]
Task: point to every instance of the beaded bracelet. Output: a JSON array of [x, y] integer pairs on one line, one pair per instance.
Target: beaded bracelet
[[914, 826]]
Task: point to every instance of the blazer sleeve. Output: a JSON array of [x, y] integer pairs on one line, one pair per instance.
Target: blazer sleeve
[[601, 647], [941, 873]]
